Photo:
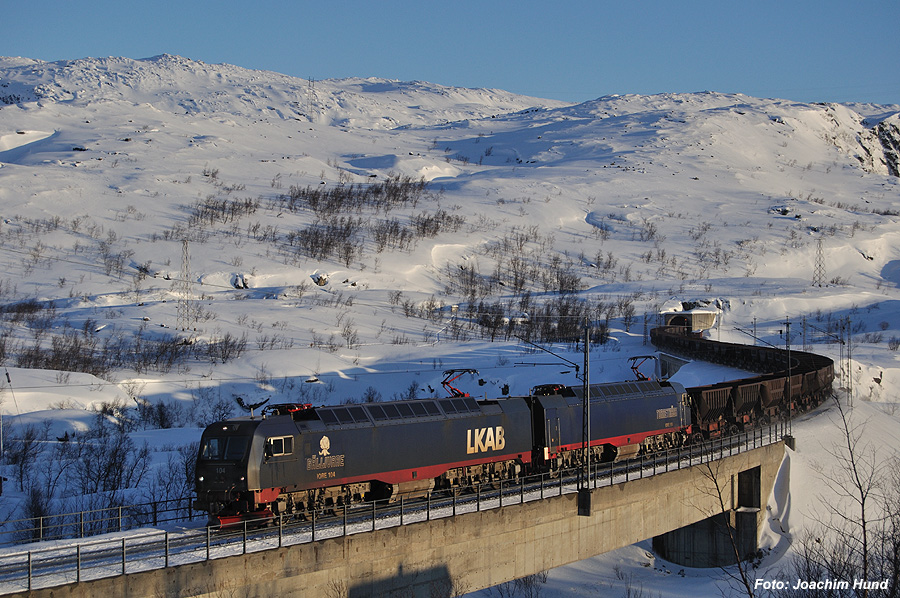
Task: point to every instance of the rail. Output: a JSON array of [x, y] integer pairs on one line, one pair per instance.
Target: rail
[[51, 566]]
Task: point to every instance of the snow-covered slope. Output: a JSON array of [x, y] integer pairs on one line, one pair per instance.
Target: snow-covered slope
[[111, 168]]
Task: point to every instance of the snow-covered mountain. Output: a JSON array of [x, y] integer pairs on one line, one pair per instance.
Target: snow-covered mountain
[[180, 85], [319, 269]]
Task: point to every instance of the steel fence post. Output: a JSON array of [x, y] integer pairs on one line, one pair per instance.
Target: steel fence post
[[78, 562], [166, 538]]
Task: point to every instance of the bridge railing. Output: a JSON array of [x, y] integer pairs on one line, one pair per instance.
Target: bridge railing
[[82, 524], [76, 561]]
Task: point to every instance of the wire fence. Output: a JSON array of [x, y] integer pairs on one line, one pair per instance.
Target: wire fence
[[76, 561]]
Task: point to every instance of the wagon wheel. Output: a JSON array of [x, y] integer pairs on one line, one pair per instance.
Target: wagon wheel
[[764, 420]]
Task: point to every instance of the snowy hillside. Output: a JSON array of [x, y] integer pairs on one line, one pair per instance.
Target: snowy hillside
[[351, 239]]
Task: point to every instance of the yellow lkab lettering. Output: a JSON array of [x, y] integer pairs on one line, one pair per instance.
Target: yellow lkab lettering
[[485, 439]]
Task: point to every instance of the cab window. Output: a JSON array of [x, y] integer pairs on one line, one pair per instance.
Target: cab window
[[212, 449], [283, 445], [237, 446], [232, 448]]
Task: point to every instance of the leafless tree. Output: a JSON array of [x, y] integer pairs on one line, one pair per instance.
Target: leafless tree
[[858, 543], [739, 581]]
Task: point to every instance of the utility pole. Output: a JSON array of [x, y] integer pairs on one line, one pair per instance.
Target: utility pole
[[849, 363], [584, 486], [806, 346], [584, 474], [16, 404], [789, 438]]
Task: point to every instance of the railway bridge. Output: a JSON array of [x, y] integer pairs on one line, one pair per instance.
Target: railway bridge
[[483, 548]]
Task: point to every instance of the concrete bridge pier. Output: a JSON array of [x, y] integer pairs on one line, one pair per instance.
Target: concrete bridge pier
[[724, 538]]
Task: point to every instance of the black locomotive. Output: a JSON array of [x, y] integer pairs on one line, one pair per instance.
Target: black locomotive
[[297, 457], [294, 458]]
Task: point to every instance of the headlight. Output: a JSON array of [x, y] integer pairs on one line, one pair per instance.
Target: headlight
[[200, 479]]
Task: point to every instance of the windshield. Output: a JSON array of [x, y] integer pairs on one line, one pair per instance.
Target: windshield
[[231, 448]]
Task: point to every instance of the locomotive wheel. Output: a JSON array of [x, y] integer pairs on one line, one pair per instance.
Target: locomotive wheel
[[695, 439]]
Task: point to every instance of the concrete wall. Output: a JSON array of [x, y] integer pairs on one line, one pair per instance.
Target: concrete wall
[[468, 552]]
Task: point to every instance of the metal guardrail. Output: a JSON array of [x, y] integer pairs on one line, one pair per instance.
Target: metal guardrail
[[43, 567], [82, 524]]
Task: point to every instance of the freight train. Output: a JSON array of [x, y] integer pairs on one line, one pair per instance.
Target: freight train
[[295, 458], [788, 382]]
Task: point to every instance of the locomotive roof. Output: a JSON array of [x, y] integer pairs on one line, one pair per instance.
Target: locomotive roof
[[394, 411], [627, 389]]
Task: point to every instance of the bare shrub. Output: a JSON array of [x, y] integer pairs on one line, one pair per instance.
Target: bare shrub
[[226, 347]]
